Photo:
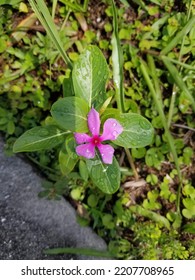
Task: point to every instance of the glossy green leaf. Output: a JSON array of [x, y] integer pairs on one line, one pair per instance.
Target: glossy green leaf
[[39, 138], [68, 87], [89, 75], [83, 170], [67, 163], [71, 113], [105, 176], [137, 131], [70, 145]]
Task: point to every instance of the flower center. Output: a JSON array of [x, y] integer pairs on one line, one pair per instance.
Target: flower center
[[96, 140]]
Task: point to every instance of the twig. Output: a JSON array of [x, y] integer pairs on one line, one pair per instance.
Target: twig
[[183, 126]]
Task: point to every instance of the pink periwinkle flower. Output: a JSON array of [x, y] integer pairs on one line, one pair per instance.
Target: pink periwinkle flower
[[111, 130]]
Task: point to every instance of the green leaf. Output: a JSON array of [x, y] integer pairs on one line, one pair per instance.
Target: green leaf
[[68, 87], [179, 36], [3, 45], [9, 2], [67, 163], [39, 138], [150, 214], [70, 144], [117, 60], [105, 177], [89, 75], [190, 228], [179, 81], [137, 131], [71, 113], [83, 170]]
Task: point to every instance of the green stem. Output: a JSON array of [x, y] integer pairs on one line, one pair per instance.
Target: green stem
[[131, 162], [41, 165]]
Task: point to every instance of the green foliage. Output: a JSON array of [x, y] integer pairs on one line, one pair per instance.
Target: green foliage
[[90, 73], [39, 138], [189, 201], [154, 243], [105, 177], [71, 113], [150, 221], [137, 131], [54, 190]]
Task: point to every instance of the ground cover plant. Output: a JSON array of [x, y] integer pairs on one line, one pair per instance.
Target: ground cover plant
[[66, 67]]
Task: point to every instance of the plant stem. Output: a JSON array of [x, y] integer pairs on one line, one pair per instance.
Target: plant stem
[[131, 162]]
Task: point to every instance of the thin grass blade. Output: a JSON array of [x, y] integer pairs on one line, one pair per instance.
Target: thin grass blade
[[179, 36], [45, 18], [117, 60], [178, 80]]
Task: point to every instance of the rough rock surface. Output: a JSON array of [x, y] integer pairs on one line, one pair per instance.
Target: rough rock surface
[[28, 224]]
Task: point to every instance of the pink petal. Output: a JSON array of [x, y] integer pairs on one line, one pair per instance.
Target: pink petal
[[86, 150], [106, 152], [94, 122], [82, 138], [111, 130]]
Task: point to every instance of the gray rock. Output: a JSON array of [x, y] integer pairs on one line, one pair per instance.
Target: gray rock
[[28, 224]]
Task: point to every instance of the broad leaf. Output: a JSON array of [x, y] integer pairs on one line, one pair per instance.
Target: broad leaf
[[71, 113], [68, 87], [89, 75], [67, 163], [105, 176], [39, 138], [70, 145], [137, 131], [83, 170]]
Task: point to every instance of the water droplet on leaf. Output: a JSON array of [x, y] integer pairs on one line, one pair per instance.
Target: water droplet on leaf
[[144, 124]]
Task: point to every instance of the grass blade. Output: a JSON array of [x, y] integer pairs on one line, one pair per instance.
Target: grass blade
[[182, 64], [117, 60], [45, 18], [178, 80], [179, 36]]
